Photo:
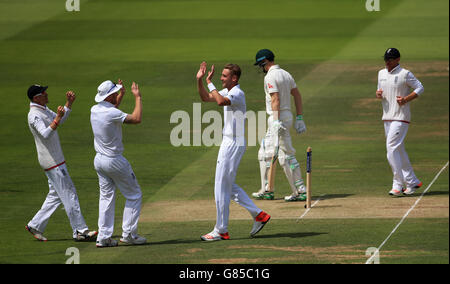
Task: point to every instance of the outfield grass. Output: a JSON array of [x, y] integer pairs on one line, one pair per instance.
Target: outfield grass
[[332, 48]]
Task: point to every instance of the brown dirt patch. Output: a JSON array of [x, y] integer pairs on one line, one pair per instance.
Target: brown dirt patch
[[332, 254], [349, 207]]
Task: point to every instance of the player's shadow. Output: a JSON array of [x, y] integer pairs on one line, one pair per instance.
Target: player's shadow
[[440, 192], [290, 235], [332, 196], [268, 236]]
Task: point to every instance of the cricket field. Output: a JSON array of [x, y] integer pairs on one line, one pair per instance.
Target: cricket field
[[332, 48]]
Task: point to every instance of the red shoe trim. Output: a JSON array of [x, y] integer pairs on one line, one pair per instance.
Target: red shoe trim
[[262, 217], [225, 236]]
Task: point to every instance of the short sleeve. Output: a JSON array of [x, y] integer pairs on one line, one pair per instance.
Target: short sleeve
[[116, 115], [236, 98], [270, 85], [292, 81], [223, 92]]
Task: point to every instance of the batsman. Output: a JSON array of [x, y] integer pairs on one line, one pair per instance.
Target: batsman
[[279, 87]]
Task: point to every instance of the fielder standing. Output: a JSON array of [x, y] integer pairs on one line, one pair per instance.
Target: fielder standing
[[113, 170], [43, 124], [279, 87], [232, 149], [394, 90]]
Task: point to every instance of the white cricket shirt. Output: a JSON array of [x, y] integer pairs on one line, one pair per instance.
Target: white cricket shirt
[[398, 82], [46, 139], [234, 114], [106, 122], [278, 81]]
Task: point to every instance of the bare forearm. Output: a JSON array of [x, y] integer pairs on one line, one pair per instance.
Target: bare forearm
[[119, 99], [411, 97], [204, 95], [404, 100], [298, 101], [137, 112], [275, 104], [55, 123], [221, 101]]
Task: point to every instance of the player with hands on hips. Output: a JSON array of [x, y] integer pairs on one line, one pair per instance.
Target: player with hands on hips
[[280, 87]]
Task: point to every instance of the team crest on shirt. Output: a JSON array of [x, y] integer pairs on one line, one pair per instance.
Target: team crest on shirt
[[269, 86]]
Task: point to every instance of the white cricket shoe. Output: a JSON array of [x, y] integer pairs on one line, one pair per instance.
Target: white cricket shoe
[[136, 240], [259, 223], [259, 194], [215, 236], [411, 190], [295, 197], [107, 243], [396, 192], [85, 236], [36, 234]]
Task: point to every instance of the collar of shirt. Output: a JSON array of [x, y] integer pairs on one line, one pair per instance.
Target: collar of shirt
[[38, 106], [395, 68], [273, 67], [106, 104], [237, 86]]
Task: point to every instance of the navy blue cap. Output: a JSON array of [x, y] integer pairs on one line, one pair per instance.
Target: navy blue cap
[[35, 90], [391, 53]]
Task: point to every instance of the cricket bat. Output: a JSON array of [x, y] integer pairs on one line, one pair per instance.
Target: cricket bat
[[273, 165]]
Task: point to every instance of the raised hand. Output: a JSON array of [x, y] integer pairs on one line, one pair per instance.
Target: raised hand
[[201, 71], [122, 90], [70, 96], [210, 74], [60, 112], [135, 90]]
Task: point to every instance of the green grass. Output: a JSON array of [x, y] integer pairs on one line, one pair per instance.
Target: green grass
[[332, 48]]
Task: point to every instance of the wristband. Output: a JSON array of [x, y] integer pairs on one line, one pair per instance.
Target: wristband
[[299, 117], [54, 121], [211, 87]]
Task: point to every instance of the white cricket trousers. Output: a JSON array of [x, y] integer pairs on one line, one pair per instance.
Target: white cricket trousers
[[402, 170], [61, 191], [286, 153], [116, 172], [225, 189]]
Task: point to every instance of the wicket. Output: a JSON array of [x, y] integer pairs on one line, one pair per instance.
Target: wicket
[[308, 177]]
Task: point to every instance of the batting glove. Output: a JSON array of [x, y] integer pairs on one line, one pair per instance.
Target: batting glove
[[277, 125], [299, 124]]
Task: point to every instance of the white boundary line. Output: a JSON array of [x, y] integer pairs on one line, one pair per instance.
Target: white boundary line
[[377, 251], [307, 210]]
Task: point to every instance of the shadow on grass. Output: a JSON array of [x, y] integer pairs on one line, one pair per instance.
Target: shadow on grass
[[279, 235], [332, 196], [443, 192], [289, 235]]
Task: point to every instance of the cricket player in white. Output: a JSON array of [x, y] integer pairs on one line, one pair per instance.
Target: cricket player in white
[[43, 124], [394, 91], [279, 87], [231, 150], [113, 170]]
